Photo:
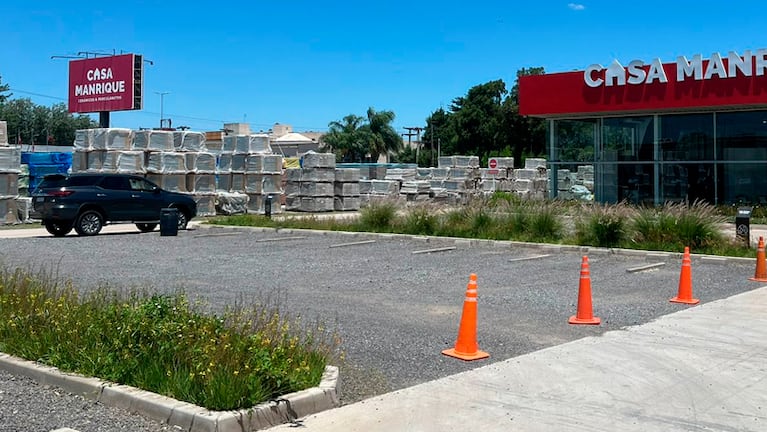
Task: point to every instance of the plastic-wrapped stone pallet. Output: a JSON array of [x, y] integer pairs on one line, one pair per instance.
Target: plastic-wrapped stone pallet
[[3, 133], [10, 167], [206, 203], [314, 191]]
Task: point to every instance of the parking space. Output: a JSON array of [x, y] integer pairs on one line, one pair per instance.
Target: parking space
[[396, 300]]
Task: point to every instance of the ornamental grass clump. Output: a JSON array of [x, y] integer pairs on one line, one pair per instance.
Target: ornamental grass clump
[[161, 343], [603, 225], [378, 217], [676, 225]]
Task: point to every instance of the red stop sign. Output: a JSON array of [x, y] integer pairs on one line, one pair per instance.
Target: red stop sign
[[492, 163]]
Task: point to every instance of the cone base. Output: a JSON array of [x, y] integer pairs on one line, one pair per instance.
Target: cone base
[[684, 301], [463, 356], [756, 279], [591, 321]]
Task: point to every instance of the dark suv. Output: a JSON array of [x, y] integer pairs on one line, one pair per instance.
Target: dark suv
[[86, 202]]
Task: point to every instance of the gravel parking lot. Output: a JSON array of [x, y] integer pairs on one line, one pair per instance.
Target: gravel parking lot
[[395, 310]]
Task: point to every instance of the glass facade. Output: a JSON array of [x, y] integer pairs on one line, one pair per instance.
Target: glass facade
[[717, 157]]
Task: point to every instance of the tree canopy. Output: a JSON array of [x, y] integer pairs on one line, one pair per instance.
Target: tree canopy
[[29, 123], [485, 122], [362, 139]]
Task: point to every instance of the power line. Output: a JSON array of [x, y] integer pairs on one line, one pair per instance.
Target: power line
[[178, 116]]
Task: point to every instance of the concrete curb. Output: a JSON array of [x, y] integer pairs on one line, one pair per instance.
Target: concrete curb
[[184, 415], [460, 242]]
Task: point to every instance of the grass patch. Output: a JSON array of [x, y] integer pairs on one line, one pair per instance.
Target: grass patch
[[504, 216], [160, 343]]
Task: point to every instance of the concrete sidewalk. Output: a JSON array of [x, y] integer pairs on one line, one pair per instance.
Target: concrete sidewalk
[[703, 368]]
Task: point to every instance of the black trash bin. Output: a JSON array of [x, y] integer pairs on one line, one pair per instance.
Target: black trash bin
[[743, 225], [168, 222]]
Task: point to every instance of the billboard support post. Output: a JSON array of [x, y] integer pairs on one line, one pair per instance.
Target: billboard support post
[[103, 119]]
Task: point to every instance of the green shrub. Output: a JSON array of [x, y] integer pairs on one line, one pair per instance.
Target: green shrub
[[161, 343], [603, 225], [545, 223], [420, 221], [676, 225], [378, 217]]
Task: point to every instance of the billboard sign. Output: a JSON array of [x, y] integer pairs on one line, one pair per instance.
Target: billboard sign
[[110, 83]]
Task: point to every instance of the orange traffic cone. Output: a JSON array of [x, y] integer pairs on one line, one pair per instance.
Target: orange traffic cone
[[466, 347], [585, 315], [760, 275], [685, 281]]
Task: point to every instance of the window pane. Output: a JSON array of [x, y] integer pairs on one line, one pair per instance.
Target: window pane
[[628, 139], [742, 183], [687, 182], [574, 140], [572, 181], [742, 136], [687, 137]]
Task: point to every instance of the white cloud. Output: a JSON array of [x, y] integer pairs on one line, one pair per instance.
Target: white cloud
[[576, 6]]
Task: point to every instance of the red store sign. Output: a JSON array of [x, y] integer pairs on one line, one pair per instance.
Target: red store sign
[[720, 81]]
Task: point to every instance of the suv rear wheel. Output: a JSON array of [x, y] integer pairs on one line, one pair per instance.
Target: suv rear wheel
[[58, 229], [146, 227], [89, 223]]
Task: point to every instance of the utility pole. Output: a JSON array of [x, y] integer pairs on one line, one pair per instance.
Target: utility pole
[[162, 100], [417, 133]]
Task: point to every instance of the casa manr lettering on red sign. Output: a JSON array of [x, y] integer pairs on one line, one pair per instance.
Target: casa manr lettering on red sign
[[638, 72]]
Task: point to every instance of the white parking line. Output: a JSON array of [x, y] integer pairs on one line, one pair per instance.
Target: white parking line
[[444, 249], [529, 258], [644, 267], [352, 243]]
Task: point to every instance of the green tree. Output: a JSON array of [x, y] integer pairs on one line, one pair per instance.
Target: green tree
[[346, 139], [4, 88], [439, 138], [30, 123], [380, 134], [477, 119], [526, 135]]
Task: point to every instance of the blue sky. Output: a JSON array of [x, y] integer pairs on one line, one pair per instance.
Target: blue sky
[[307, 63]]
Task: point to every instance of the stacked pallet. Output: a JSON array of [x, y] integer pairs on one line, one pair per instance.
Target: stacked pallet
[[311, 187], [10, 168], [247, 166], [531, 182], [174, 160], [378, 190], [263, 182], [346, 194]]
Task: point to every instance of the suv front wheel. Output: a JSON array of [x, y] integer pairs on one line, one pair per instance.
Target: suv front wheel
[[183, 220], [89, 223]]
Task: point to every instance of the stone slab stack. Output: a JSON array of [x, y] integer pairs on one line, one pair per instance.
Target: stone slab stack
[[346, 193], [311, 187], [378, 190], [263, 179], [175, 160], [10, 168], [499, 178], [531, 182]]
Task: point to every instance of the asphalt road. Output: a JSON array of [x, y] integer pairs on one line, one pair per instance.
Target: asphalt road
[[395, 310]]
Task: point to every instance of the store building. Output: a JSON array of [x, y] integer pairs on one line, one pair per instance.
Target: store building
[[652, 132]]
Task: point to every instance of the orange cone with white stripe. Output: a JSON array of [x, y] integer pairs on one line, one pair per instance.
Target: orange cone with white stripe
[[760, 275], [466, 347], [685, 281], [585, 314]]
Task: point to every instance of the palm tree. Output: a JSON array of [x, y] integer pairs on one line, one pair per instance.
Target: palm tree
[[346, 139], [381, 136]]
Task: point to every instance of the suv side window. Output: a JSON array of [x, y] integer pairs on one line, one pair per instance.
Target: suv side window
[[141, 185], [115, 183]]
